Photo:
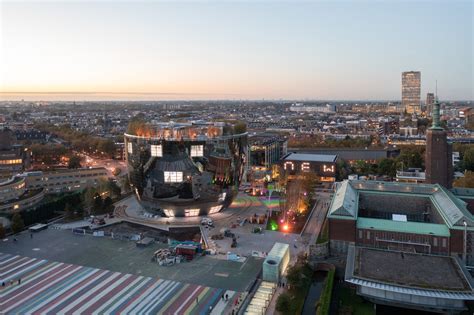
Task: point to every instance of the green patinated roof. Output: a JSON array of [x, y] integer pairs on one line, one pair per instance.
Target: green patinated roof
[[453, 210], [463, 192], [344, 202], [403, 227]]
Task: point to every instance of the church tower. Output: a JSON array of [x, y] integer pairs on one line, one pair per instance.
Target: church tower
[[438, 159]]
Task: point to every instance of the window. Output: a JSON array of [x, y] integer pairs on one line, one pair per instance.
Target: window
[[173, 177], [360, 234], [191, 212], [444, 242], [168, 213], [435, 242], [156, 150], [197, 150], [368, 235], [8, 162], [129, 147], [215, 209]]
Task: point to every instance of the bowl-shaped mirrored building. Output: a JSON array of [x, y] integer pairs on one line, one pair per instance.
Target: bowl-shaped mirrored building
[[185, 169]]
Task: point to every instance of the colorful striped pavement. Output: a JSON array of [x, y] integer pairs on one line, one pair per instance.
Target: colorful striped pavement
[[57, 288]]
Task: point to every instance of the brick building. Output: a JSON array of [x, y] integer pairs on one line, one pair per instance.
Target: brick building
[[419, 218], [407, 245]]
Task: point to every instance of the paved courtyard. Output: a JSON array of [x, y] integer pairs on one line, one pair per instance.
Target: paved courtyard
[[125, 256]]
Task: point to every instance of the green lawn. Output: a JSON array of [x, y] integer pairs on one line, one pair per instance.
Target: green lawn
[[351, 303]]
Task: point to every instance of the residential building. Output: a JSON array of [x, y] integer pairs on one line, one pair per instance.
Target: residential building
[[430, 99], [411, 89], [64, 180], [15, 196]]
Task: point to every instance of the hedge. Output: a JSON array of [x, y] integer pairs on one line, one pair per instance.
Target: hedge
[[49, 208], [325, 299]]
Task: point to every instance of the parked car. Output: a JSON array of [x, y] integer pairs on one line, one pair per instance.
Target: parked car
[[207, 221]]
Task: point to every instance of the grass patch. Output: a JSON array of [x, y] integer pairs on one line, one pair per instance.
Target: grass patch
[[351, 303]]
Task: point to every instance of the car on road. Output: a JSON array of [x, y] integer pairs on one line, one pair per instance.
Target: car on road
[[207, 221]]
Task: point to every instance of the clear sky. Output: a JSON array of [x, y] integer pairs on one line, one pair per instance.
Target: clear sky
[[234, 50]]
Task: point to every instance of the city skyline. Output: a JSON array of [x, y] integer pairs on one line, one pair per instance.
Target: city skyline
[[183, 51]]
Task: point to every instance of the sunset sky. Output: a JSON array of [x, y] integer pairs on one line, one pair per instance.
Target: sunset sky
[[75, 50]]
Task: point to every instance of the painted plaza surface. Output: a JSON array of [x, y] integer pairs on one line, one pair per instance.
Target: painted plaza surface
[[48, 287]]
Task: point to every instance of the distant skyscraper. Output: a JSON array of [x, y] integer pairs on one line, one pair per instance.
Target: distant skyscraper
[[429, 103], [438, 159], [411, 89]]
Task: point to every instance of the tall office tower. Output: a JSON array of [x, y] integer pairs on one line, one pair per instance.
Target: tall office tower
[[411, 89], [430, 99], [438, 159]]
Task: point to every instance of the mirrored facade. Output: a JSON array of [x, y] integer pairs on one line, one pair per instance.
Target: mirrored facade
[[186, 169]]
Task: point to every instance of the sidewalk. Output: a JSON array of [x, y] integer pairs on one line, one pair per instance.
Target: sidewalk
[[223, 306]]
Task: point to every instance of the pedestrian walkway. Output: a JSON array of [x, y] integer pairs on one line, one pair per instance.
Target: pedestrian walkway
[[224, 306], [261, 299]]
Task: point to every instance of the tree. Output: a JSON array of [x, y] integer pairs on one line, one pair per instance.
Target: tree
[[106, 147], [387, 167], [114, 189], [467, 181], [342, 170], [468, 159], [411, 157], [361, 167], [17, 223], [69, 211], [74, 162], [299, 275], [97, 204], [108, 205], [283, 303]]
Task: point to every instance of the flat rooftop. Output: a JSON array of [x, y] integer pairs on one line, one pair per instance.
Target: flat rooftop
[[328, 158], [411, 270]]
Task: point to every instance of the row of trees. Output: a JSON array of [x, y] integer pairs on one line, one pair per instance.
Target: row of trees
[[467, 181], [466, 152], [48, 153], [410, 157], [317, 141], [81, 141], [94, 200]]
